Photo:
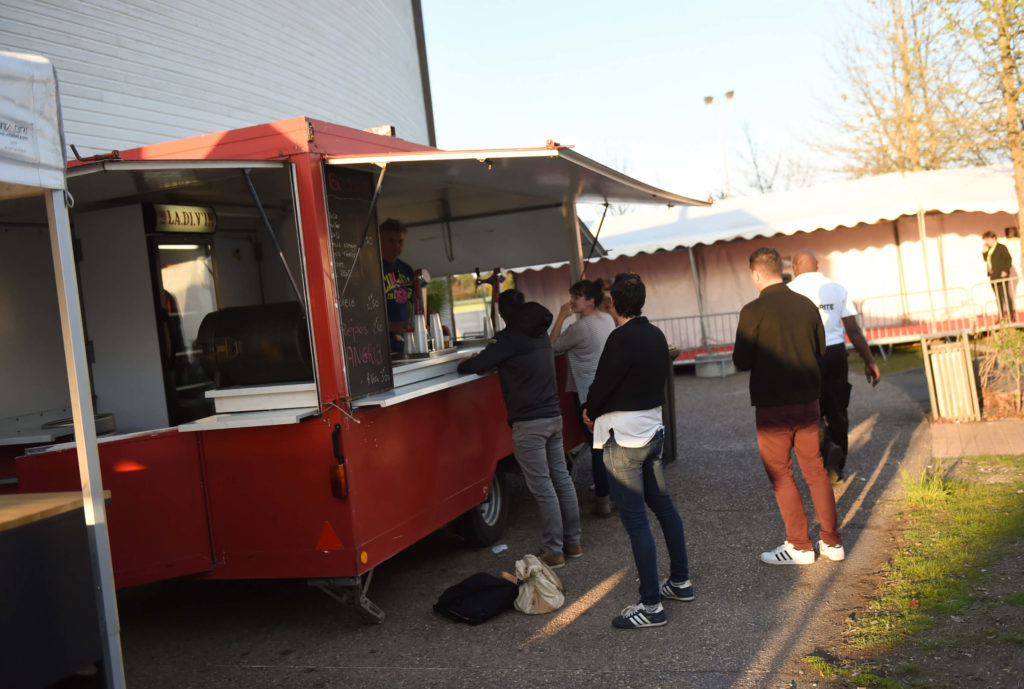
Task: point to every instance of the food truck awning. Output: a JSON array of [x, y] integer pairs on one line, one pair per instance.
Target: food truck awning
[[495, 207], [465, 209], [218, 183]]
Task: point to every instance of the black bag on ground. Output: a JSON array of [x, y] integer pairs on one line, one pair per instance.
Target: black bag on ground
[[477, 598]]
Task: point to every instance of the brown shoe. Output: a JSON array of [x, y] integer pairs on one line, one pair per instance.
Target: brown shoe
[[603, 506], [552, 560], [572, 550]]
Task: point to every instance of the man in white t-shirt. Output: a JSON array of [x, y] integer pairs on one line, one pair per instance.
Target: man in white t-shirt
[[840, 320]]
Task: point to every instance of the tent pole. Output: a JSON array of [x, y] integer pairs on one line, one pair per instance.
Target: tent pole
[[700, 301], [922, 231], [85, 436], [899, 270], [942, 266]]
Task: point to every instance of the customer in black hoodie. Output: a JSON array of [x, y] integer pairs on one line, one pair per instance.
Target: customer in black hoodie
[[526, 368]]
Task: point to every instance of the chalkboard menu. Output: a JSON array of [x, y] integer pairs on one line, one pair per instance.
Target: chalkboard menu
[[358, 281]]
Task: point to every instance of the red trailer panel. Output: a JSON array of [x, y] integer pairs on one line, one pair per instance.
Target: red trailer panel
[[157, 512]]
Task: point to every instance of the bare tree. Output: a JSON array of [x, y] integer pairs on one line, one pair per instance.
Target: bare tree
[[913, 98], [763, 170], [768, 171], [994, 34]]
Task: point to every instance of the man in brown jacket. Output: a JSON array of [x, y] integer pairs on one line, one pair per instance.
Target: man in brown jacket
[[779, 339]]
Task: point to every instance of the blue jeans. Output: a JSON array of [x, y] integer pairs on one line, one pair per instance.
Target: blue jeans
[[637, 481], [541, 456]]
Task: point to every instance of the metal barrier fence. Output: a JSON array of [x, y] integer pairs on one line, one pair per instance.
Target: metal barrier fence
[[984, 295], [904, 318], [885, 319], [711, 333]]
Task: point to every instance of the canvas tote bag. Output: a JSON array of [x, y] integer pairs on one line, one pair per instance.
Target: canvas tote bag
[[540, 589]]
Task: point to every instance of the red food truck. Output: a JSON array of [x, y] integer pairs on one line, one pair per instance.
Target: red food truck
[[253, 421]]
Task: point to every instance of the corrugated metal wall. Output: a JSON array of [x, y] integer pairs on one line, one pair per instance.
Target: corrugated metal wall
[[142, 71]]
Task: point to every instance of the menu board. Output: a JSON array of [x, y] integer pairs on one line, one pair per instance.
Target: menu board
[[358, 282]]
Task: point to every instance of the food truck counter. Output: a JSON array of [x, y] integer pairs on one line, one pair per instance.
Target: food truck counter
[[51, 624], [423, 375], [30, 429]]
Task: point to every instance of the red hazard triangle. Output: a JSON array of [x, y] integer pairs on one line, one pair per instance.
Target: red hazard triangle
[[328, 539]]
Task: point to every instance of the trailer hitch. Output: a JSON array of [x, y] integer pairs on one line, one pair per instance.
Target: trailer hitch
[[351, 591]]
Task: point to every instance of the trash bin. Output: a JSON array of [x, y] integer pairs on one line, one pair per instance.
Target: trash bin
[[952, 387]]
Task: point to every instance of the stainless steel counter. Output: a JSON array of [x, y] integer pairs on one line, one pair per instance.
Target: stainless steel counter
[[422, 376]]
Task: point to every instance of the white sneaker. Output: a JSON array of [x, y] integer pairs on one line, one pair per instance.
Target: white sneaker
[[832, 552], [786, 554]]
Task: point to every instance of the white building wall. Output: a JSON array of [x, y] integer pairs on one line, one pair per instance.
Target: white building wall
[[137, 72]]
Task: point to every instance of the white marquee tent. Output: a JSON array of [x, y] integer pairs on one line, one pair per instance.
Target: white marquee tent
[[896, 241], [866, 201]]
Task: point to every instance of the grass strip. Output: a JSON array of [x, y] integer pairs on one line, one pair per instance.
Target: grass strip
[[955, 525], [958, 516], [900, 358]]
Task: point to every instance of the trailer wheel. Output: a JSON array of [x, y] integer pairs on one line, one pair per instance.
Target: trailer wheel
[[485, 523]]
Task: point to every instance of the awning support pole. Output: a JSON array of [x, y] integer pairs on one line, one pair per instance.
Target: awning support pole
[[597, 235], [85, 436], [273, 238], [572, 227], [700, 300]]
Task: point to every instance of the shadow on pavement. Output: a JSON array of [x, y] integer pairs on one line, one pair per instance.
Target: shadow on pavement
[[748, 626]]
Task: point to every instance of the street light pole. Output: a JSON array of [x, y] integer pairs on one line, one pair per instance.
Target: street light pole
[[710, 100]]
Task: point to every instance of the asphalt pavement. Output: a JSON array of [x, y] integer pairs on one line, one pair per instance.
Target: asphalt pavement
[[749, 626]]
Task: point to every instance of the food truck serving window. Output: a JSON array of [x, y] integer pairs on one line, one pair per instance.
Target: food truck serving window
[[358, 280]]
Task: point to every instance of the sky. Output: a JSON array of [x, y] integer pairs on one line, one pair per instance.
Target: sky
[[625, 81]]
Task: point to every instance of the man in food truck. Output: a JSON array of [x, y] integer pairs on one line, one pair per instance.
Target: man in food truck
[[398, 279], [526, 369]]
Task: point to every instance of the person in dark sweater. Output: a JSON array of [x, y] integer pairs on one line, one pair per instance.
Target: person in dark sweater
[[526, 368], [998, 264], [779, 339], [623, 408]]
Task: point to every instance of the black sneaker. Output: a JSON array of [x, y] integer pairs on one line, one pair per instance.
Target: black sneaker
[[683, 592], [638, 617]]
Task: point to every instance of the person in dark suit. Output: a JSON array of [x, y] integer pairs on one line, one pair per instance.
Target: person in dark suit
[[998, 263], [780, 339]]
